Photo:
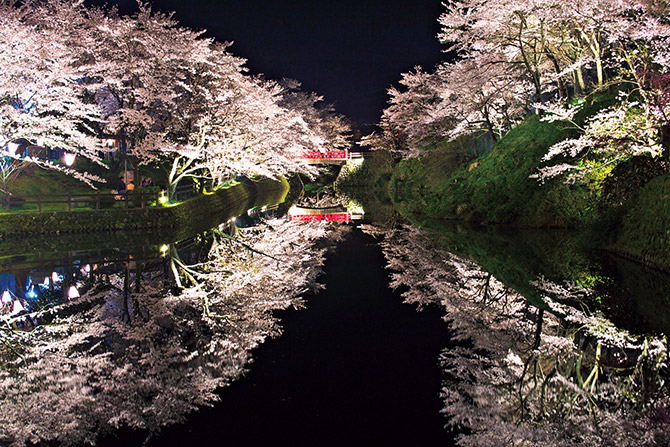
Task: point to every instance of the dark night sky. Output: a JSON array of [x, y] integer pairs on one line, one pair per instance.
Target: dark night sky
[[349, 51]]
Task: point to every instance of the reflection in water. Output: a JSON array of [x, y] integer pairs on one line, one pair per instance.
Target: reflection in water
[[526, 375], [540, 355], [128, 353]]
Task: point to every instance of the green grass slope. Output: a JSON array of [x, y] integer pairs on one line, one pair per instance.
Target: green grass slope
[[496, 187]]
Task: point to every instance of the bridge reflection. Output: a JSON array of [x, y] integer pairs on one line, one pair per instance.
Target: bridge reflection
[[329, 214]]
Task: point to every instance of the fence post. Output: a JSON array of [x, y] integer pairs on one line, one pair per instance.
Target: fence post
[[69, 202], [9, 201], [125, 197], [39, 202], [142, 200], [97, 203]]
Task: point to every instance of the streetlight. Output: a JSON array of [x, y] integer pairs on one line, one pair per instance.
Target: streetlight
[[69, 158], [12, 148]]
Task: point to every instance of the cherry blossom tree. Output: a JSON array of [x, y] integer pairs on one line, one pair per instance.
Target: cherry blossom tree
[[639, 123], [44, 86], [485, 95], [186, 99], [517, 31], [334, 130], [418, 111], [177, 97]]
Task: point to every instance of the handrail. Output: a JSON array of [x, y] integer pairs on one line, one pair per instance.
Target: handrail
[[131, 199]]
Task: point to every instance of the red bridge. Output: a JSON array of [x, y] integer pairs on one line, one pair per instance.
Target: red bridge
[[328, 155]]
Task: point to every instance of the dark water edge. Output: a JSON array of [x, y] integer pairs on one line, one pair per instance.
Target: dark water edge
[[357, 366]]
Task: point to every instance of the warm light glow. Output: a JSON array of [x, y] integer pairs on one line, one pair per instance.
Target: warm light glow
[[69, 159], [73, 293], [355, 208], [164, 249], [6, 297], [12, 148], [163, 198]]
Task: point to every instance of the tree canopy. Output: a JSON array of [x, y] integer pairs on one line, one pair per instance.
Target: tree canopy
[[71, 74], [513, 58]]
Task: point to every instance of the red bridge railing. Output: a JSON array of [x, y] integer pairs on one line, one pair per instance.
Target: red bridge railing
[[328, 155], [324, 217]]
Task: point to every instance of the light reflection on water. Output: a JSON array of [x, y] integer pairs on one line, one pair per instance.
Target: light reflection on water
[[553, 344], [151, 339], [543, 368]]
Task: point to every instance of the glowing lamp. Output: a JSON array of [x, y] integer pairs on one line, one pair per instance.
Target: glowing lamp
[[164, 249], [6, 297], [18, 307], [12, 148], [54, 277], [31, 294], [69, 158], [163, 198], [73, 293]]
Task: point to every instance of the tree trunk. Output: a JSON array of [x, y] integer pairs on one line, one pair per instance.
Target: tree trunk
[[489, 126], [562, 88], [600, 73], [580, 84]]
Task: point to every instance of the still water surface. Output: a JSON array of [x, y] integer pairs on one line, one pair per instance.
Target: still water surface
[[504, 335]]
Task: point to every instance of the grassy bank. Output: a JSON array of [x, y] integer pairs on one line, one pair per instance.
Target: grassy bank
[[496, 187], [628, 212], [644, 233], [196, 214]]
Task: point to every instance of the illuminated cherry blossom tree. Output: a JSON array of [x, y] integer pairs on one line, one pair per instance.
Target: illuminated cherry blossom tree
[[639, 124], [71, 73], [516, 56], [44, 86]]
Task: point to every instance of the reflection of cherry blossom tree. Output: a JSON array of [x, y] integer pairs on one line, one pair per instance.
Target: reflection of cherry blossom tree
[[523, 375], [146, 358]]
